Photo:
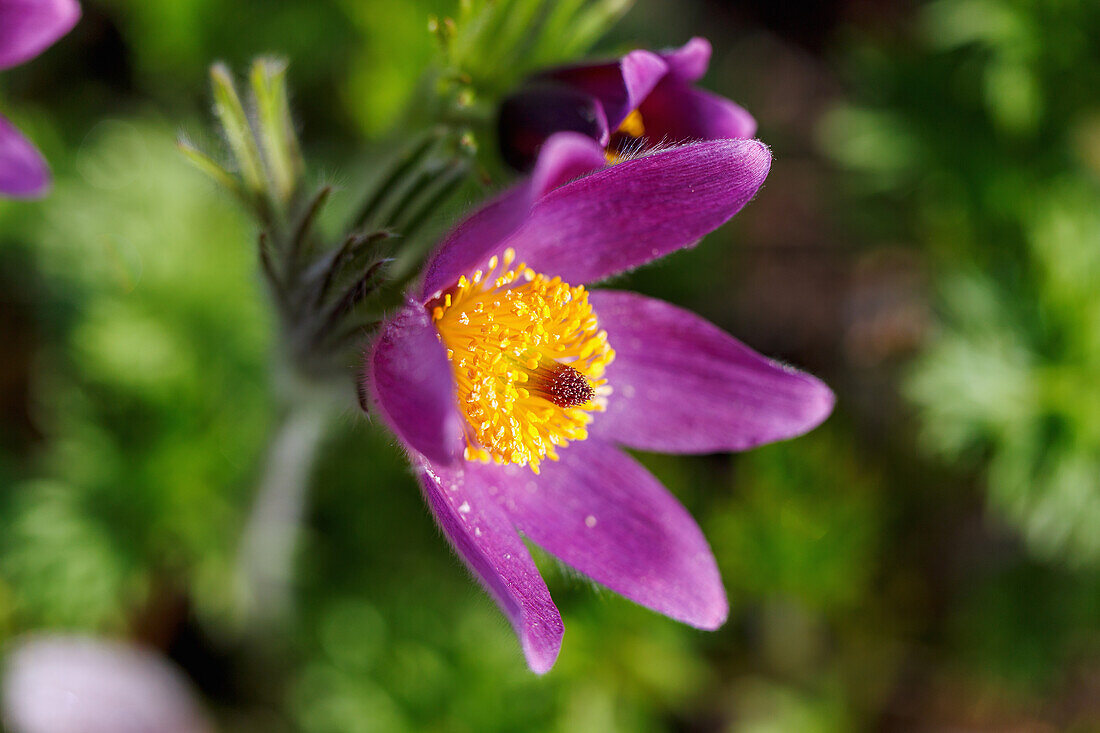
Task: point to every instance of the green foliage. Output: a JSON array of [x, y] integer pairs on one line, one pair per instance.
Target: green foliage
[[799, 523], [61, 565], [1022, 623], [983, 124], [495, 43], [320, 288], [157, 320], [861, 580]]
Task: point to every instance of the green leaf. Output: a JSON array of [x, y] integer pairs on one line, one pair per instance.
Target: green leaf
[[238, 133], [276, 129], [209, 166]]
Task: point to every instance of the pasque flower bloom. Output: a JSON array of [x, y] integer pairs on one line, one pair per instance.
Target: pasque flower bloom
[[511, 385], [628, 105], [27, 28]]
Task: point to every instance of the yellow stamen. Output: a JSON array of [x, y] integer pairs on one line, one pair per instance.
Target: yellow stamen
[[633, 125], [528, 357], [630, 129]]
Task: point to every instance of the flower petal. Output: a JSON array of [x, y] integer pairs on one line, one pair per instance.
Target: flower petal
[[63, 683], [639, 210], [689, 62], [529, 117], [676, 112], [23, 171], [621, 86], [682, 385], [476, 239], [486, 541], [411, 383], [564, 156], [603, 514], [28, 27]]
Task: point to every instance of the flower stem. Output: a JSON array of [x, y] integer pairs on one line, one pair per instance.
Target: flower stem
[[266, 559]]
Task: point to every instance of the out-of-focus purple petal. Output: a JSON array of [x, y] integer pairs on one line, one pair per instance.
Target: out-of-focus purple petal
[[23, 171], [487, 542], [621, 86], [411, 383], [71, 684], [689, 62], [639, 210], [676, 112], [682, 385], [29, 27], [532, 115], [603, 514], [642, 70], [564, 156]]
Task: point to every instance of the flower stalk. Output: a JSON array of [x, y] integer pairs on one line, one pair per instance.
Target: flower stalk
[[266, 559]]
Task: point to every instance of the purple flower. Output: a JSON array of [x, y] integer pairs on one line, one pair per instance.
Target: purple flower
[[628, 106], [76, 684], [27, 28], [512, 386]]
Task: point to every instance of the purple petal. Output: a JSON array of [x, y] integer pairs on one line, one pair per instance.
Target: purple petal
[[486, 541], [676, 112], [689, 62], [564, 156], [476, 239], [28, 27], [642, 70], [411, 383], [23, 170], [529, 117], [600, 512], [682, 385], [72, 684], [639, 210], [620, 87]]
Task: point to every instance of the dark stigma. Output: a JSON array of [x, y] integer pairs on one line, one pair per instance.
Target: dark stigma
[[561, 384]]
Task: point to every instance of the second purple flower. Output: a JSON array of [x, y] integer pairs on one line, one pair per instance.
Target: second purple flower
[[628, 105]]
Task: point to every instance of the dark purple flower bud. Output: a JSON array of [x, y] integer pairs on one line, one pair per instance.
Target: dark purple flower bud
[[628, 106], [535, 113]]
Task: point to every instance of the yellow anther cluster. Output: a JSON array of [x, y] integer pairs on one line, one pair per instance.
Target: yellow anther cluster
[[503, 334]]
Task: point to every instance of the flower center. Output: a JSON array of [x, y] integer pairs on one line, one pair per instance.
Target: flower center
[[528, 358], [625, 138]]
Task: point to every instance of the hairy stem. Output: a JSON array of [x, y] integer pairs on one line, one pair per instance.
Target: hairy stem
[[265, 563]]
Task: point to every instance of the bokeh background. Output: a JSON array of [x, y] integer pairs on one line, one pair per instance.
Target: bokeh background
[[928, 242]]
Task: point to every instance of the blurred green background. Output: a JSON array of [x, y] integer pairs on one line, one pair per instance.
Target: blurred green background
[[928, 242]]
